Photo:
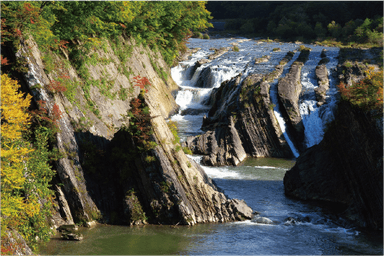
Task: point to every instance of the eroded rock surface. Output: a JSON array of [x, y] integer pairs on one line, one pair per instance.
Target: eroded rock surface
[[289, 89], [241, 122]]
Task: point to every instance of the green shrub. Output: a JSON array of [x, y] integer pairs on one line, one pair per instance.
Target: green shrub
[[187, 151], [197, 35]]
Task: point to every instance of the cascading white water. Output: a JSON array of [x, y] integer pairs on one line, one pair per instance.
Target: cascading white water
[[233, 63], [315, 117]]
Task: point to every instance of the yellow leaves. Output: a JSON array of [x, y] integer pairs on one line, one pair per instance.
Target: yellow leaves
[[14, 153], [14, 117]]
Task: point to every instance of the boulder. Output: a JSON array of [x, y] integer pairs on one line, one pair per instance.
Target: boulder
[[262, 220]]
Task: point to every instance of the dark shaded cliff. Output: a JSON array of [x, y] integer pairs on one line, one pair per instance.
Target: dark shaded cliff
[[345, 169]]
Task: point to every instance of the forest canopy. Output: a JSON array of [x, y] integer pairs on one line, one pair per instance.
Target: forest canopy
[[346, 21], [163, 25]]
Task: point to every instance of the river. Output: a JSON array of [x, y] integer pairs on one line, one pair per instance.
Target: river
[[298, 228]]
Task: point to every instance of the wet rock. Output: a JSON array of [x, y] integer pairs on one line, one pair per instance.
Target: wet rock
[[262, 220], [218, 52], [191, 111], [323, 82], [289, 89], [206, 78], [70, 232], [262, 59], [254, 131], [290, 221]]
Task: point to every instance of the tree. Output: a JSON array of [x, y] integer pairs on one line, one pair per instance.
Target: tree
[[14, 153]]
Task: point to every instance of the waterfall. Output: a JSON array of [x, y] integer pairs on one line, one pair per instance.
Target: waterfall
[[233, 63]]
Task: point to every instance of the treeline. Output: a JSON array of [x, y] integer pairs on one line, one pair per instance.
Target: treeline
[[360, 22], [163, 25]]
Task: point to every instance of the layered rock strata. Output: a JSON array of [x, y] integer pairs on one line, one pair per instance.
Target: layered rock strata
[[289, 89], [102, 174], [241, 122]]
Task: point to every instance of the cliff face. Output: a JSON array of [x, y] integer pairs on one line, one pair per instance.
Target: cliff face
[[345, 169], [103, 175]]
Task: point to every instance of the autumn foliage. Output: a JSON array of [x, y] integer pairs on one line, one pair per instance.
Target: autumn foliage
[[14, 153], [139, 118], [366, 94], [25, 171]]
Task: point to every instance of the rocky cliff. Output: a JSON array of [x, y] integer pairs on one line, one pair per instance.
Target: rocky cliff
[[345, 170], [104, 174]]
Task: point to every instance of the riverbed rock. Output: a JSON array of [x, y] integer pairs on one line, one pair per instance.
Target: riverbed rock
[[262, 220], [102, 167], [241, 122], [206, 78], [323, 82], [218, 52], [289, 89]]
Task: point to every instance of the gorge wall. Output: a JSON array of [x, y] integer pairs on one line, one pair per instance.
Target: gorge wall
[[103, 174], [345, 170]]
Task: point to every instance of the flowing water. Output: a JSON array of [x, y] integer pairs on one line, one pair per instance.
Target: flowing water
[[298, 227]]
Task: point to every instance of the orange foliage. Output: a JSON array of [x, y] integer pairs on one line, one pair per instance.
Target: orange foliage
[[366, 94]]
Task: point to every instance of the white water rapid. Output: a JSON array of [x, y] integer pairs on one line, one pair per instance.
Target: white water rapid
[[232, 63]]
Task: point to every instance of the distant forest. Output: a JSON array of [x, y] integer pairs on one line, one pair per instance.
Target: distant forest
[[304, 20]]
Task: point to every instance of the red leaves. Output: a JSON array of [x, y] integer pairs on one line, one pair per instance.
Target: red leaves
[[4, 61], [366, 94], [142, 82], [56, 113], [56, 86], [28, 7]]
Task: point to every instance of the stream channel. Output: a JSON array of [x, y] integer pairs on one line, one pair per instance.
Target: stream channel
[[298, 228]]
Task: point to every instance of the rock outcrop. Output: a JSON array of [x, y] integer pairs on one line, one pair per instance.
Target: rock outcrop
[[345, 170], [289, 89], [102, 174], [241, 122], [12, 243], [321, 73]]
